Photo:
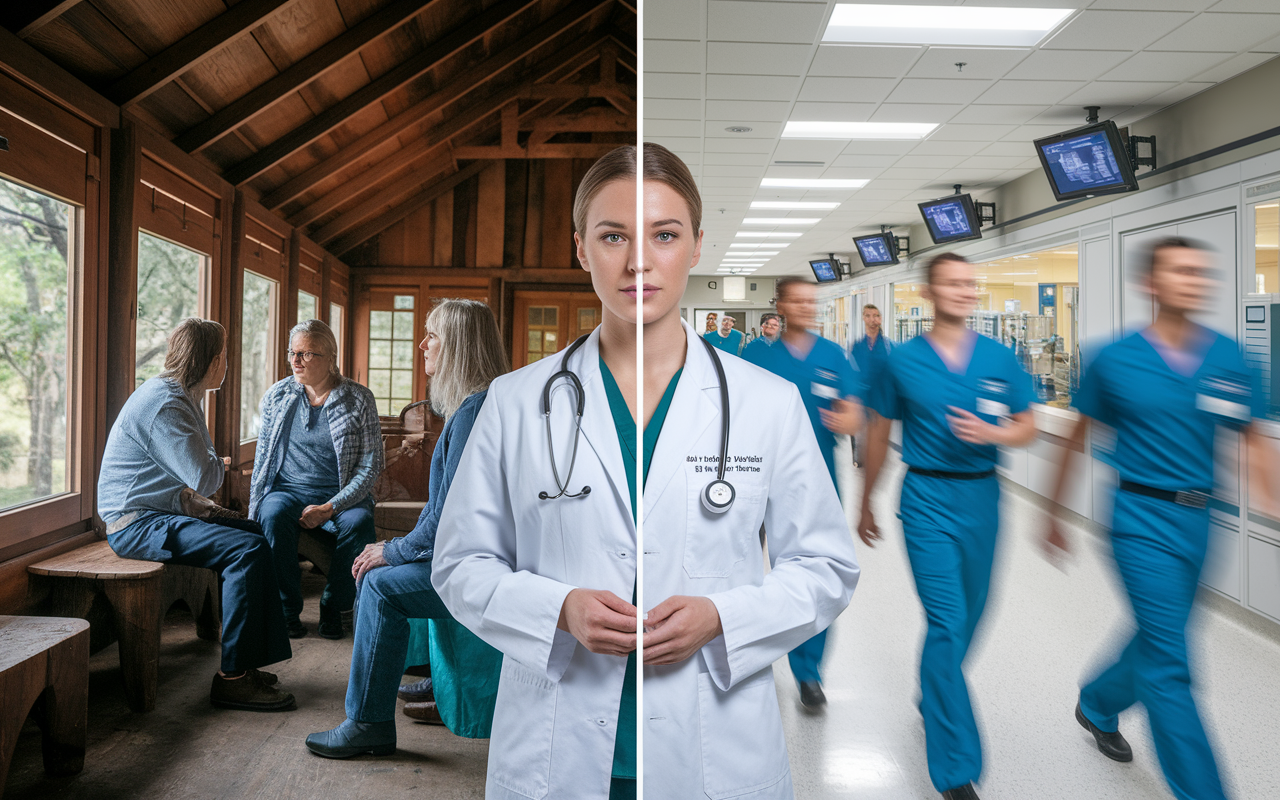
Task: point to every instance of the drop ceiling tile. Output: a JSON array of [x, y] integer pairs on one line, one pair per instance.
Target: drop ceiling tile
[[665, 55], [721, 144], [947, 148], [672, 127], [1177, 94], [760, 129], [670, 85], [676, 144], [979, 62], [852, 173], [747, 109], [1029, 133], [672, 109], [713, 170], [849, 90], [998, 115], [673, 19], [916, 174], [735, 21], [832, 112], [970, 133], [1117, 93], [1153, 66], [1113, 30], [751, 87], [1155, 5], [993, 163], [1010, 92], [692, 159], [1019, 149], [824, 150], [1069, 65], [934, 162], [1233, 67], [735, 58], [737, 159], [877, 148], [853, 61], [915, 112], [774, 171], [1068, 116], [937, 90], [883, 195], [861, 160], [722, 182], [1228, 33], [973, 177], [1244, 5]]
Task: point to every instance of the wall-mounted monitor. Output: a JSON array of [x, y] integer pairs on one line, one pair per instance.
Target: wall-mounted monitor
[[825, 270], [877, 250], [952, 219], [1090, 160]]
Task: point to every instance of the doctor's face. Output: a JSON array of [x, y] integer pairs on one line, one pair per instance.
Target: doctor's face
[[671, 248], [606, 249], [953, 290]]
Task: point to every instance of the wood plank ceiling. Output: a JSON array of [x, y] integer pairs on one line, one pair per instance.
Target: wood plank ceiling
[[342, 115]]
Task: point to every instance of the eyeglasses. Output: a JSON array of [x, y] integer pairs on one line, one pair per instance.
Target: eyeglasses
[[305, 355]]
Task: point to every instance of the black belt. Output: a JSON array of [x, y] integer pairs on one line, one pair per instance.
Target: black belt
[[954, 476], [1193, 499]]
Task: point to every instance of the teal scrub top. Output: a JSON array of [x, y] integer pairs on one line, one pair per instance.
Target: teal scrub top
[[758, 343], [917, 387], [823, 375], [730, 344], [624, 748], [1164, 420]]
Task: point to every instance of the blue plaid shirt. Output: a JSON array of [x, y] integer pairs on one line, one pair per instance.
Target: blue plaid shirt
[[357, 440]]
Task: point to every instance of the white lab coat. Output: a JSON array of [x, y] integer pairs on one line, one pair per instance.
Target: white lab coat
[[712, 724], [504, 561]]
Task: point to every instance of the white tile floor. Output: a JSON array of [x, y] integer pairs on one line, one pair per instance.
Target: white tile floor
[[1043, 630]]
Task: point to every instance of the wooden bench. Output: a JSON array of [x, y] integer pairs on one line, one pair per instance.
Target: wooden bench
[[44, 669], [139, 593]]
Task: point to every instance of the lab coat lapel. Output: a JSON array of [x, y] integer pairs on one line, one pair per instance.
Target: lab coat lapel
[[694, 407], [597, 419]]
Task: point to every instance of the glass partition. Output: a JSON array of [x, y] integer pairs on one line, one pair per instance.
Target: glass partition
[[1266, 232]]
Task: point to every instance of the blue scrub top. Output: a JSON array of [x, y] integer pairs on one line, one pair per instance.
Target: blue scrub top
[[917, 388], [1165, 421], [824, 374], [758, 343], [730, 344], [872, 360]]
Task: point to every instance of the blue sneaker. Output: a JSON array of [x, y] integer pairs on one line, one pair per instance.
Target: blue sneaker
[[355, 739]]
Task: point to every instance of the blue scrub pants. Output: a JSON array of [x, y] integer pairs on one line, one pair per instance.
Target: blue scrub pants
[[950, 530], [1159, 549], [389, 597], [806, 659], [253, 629], [278, 513]]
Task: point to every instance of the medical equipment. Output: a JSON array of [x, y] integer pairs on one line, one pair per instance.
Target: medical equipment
[[719, 494]]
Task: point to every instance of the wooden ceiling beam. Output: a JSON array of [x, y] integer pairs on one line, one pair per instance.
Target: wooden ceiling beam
[[242, 110], [192, 49], [25, 18], [568, 60], [457, 88], [377, 90], [415, 179], [540, 150], [586, 122], [427, 196]]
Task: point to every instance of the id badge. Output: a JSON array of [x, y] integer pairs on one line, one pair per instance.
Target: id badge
[[992, 408], [823, 390]]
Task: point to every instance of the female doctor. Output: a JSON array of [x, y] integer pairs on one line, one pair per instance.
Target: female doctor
[[536, 546], [715, 621]]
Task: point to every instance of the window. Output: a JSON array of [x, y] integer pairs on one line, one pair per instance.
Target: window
[[544, 328], [1266, 248], [308, 306], [37, 248], [257, 350], [393, 340], [172, 285], [912, 314], [335, 324]]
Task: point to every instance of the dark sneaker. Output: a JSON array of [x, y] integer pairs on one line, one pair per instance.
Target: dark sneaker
[[330, 624], [268, 678], [424, 712], [811, 696], [965, 792], [1110, 743], [296, 629], [354, 739], [417, 692], [249, 693]]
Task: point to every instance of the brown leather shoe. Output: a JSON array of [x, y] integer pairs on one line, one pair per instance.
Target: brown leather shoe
[[268, 678], [249, 693], [423, 712]]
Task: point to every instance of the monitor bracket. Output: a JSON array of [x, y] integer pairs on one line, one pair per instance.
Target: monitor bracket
[[1136, 160], [901, 244], [986, 211]]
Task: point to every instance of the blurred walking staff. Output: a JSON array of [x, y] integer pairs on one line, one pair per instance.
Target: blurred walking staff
[[1165, 390], [871, 354]]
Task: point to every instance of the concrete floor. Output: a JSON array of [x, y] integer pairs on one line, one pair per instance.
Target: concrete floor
[[187, 750]]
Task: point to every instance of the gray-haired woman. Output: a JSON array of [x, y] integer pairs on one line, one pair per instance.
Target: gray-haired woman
[[319, 453]]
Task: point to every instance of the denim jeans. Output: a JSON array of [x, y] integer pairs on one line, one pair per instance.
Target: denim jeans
[[278, 514], [253, 628], [389, 598]]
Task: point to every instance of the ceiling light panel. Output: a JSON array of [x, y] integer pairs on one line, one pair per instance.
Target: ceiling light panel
[[767, 235], [793, 206], [801, 129], [780, 220], [947, 25], [813, 183]]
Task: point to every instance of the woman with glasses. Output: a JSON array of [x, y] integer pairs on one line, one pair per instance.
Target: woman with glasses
[[319, 453]]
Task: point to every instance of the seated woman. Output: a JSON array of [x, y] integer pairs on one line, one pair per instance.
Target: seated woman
[[159, 448], [319, 453], [463, 352]]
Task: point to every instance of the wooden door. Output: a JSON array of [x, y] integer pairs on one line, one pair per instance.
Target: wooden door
[[544, 323]]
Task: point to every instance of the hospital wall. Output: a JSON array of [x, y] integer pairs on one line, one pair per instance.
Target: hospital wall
[[1216, 206]]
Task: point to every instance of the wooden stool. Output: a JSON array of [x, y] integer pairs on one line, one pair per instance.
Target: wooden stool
[[139, 593], [44, 663]]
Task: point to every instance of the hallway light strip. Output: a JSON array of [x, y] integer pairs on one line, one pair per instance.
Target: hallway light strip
[[813, 183], [768, 234], [800, 129], [942, 25], [780, 220], [793, 205]]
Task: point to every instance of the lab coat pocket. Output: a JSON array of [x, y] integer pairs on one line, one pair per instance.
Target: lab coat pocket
[[743, 747], [523, 722], [715, 543]]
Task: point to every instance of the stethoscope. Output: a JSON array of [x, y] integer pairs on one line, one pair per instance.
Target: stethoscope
[[718, 495]]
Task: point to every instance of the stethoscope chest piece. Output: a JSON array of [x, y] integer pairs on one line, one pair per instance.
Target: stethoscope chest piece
[[718, 496]]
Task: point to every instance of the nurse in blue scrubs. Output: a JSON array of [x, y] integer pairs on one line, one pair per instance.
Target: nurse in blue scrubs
[[959, 395], [831, 390], [871, 355], [1164, 390]]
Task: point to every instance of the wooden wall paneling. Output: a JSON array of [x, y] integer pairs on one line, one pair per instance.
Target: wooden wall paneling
[[33, 69], [443, 218], [125, 183], [37, 159], [37, 110], [491, 215], [290, 289], [515, 203], [241, 454], [462, 216], [557, 202], [419, 237], [393, 243], [533, 215], [26, 18]]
